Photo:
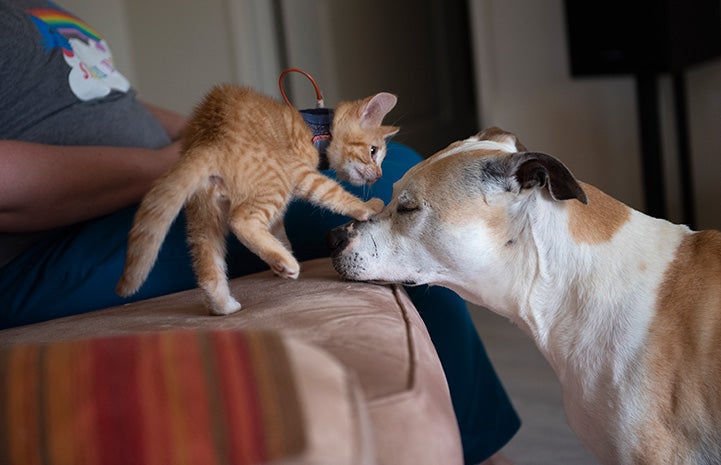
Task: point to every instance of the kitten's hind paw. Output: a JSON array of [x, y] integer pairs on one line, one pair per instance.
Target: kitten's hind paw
[[127, 285], [224, 308]]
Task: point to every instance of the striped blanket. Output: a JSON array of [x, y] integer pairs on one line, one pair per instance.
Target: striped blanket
[[176, 397]]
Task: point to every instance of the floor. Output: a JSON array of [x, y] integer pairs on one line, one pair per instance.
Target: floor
[[544, 437]]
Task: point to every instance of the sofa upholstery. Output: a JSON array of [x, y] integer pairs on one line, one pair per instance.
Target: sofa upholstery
[[361, 364]]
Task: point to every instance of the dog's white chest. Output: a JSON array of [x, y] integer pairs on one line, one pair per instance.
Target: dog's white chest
[[592, 326]]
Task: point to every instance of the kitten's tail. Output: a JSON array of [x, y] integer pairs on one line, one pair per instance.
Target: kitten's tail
[[152, 221]]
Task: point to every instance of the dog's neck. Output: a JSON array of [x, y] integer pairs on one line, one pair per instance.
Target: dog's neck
[[587, 305], [568, 318]]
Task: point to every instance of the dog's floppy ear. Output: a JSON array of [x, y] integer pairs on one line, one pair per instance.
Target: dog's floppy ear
[[536, 169], [497, 134]]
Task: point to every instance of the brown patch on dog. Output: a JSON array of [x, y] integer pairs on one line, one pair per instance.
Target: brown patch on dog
[[598, 221], [454, 203], [683, 354]]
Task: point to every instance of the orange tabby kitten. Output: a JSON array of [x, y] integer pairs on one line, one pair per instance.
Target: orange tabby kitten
[[244, 157]]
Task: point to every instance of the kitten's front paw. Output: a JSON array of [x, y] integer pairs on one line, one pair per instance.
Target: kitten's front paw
[[286, 269], [371, 207], [375, 204]]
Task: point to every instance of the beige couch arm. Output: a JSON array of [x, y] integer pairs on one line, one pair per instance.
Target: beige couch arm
[[373, 333]]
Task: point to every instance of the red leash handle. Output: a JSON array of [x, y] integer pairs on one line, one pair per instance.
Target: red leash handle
[[318, 95]]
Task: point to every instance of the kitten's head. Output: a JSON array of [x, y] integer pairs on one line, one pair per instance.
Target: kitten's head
[[358, 146]]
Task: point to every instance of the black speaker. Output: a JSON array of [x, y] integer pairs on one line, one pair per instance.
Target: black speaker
[[639, 36]]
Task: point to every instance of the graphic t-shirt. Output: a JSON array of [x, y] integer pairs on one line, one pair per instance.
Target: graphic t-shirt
[[59, 85], [92, 71]]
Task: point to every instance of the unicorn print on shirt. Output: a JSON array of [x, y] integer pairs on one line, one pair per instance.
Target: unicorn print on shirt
[[92, 72]]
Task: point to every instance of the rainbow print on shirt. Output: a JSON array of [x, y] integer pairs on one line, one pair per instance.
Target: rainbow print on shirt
[[92, 74]]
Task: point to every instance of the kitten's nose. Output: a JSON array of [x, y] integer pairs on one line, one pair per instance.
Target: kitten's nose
[[374, 176]]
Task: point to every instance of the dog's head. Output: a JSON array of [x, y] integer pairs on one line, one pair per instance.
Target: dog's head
[[453, 217]]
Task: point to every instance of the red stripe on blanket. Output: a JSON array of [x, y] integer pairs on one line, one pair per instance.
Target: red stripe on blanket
[[116, 398]]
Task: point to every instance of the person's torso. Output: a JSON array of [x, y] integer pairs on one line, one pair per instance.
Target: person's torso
[[59, 86]]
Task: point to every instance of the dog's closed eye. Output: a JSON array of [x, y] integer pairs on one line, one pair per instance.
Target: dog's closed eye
[[408, 207], [407, 203]]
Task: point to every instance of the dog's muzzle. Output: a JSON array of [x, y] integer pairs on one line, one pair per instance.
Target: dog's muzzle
[[351, 262], [347, 261]]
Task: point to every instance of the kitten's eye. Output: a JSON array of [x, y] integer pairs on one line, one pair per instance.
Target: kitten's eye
[[374, 152]]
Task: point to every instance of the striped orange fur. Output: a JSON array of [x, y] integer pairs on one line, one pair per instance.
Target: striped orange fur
[[245, 156]]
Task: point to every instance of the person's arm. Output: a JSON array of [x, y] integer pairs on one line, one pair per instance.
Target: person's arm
[[172, 122], [47, 186]]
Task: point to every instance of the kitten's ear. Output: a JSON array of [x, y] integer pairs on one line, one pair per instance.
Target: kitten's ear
[[375, 108], [389, 131]]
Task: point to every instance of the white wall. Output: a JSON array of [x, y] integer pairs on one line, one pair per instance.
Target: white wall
[[174, 50], [109, 18], [524, 85]]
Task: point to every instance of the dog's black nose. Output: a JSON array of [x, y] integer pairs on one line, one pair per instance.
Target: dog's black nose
[[337, 238]]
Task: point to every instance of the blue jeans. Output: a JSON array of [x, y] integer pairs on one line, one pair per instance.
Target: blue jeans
[[77, 273]]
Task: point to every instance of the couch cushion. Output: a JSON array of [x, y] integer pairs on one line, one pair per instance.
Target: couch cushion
[[372, 330]]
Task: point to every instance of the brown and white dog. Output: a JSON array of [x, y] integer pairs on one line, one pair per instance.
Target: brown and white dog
[[626, 308]]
